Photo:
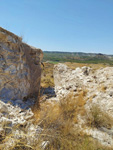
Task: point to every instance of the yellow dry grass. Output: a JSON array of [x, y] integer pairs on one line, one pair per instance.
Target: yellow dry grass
[[58, 121], [98, 118], [93, 66], [47, 75]]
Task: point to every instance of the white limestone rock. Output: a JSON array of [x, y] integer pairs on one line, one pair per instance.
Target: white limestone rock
[[99, 85]]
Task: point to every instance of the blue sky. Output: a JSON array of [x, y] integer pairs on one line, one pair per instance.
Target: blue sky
[[61, 25]]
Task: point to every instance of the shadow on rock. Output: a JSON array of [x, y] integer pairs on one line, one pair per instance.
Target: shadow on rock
[[23, 104], [49, 92]]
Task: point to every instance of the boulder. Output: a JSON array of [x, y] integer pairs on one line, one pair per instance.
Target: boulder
[[20, 69]]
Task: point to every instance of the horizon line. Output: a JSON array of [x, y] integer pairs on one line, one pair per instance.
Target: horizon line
[[76, 52]]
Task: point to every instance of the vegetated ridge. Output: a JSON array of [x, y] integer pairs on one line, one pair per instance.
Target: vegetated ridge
[[79, 57]]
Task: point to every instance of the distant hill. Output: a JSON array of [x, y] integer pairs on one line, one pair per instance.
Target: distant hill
[[80, 57]]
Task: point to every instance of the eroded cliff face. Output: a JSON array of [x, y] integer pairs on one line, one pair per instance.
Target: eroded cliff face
[[20, 69]]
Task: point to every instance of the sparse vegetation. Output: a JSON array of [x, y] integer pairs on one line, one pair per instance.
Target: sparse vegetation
[[99, 118], [47, 75], [58, 122], [77, 57]]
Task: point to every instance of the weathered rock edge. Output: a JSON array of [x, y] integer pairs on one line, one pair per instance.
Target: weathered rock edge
[[20, 69]]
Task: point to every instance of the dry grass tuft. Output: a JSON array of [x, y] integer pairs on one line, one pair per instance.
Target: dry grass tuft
[[58, 119], [47, 75], [99, 118]]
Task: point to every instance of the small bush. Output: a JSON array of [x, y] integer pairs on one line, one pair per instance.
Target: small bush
[[99, 118]]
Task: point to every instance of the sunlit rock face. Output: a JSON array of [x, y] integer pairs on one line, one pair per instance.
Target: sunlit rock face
[[20, 70], [99, 87], [98, 84]]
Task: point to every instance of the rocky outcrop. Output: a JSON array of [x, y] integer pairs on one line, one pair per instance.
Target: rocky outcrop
[[16, 127], [98, 84], [99, 87], [67, 80], [20, 69]]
